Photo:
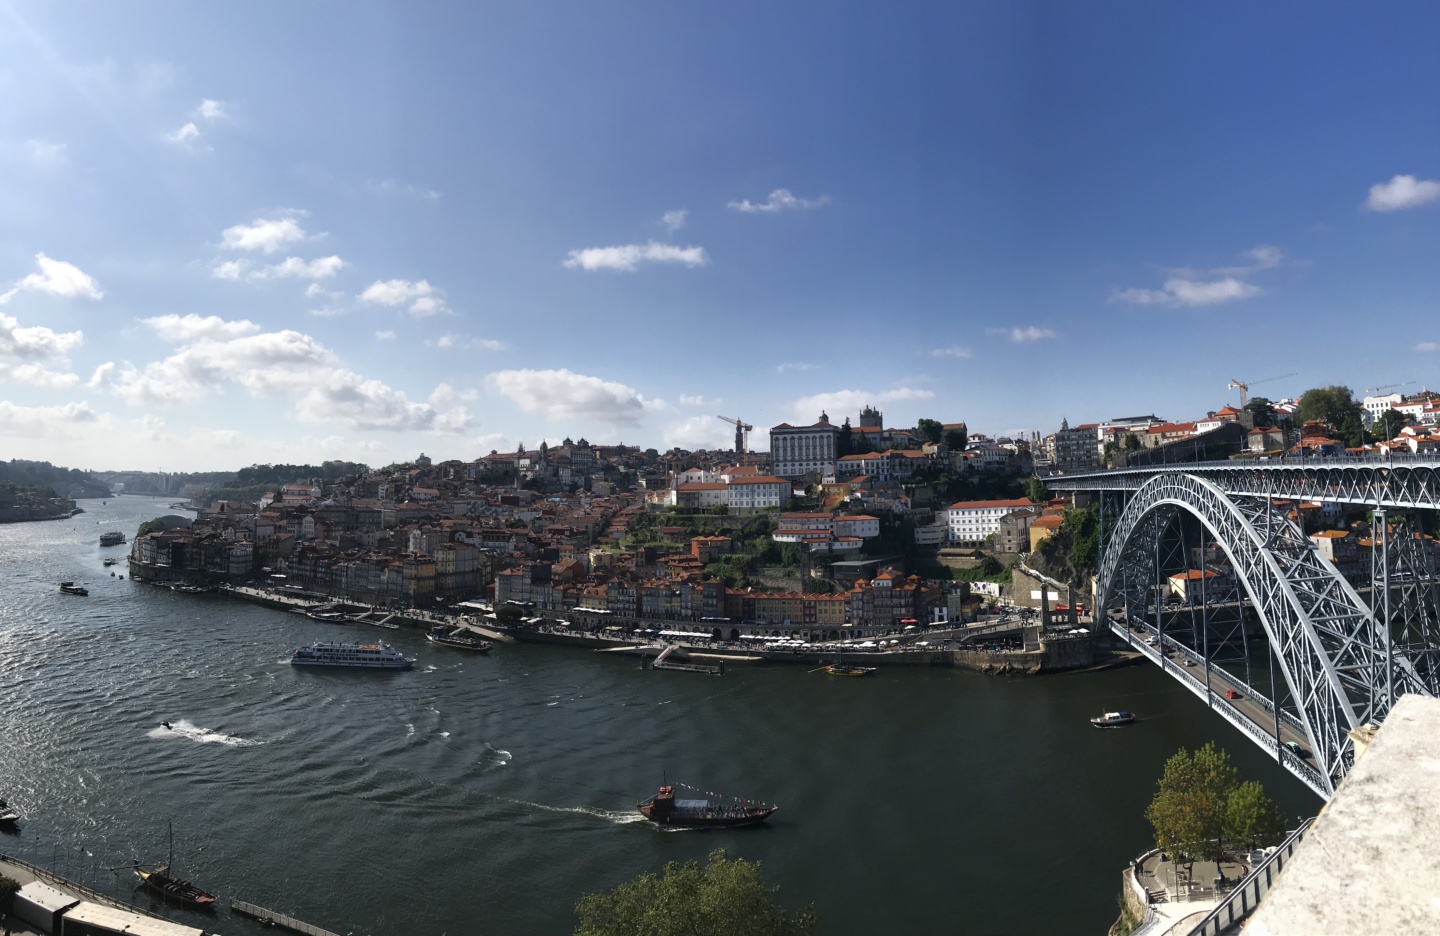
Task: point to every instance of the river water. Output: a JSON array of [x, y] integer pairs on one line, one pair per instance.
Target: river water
[[485, 794]]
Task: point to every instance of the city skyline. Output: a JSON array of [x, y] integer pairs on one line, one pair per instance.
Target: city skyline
[[233, 236]]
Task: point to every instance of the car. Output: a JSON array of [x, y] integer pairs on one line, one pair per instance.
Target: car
[[1232, 694], [1187, 662], [1296, 749]]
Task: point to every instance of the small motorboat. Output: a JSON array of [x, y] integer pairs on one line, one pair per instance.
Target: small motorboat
[[70, 588], [1113, 719], [8, 816]]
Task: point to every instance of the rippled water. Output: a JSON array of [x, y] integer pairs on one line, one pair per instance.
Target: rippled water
[[479, 794]]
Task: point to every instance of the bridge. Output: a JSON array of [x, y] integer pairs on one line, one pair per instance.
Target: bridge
[[1204, 570]]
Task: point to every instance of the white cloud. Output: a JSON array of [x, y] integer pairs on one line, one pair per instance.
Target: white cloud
[[424, 299], [360, 403], [563, 394], [42, 420], [212, 110], [840, 403], [183, 329], [47, 154], [1428, 346], [798, 366], [628, 257], [265, 234], [1024, 335], [779, 200], [225, 438], [37, 375], [385, 335], [319, 268], [452, 340], [1401, 192], [185, 136], [36, 341], [674, 220], [230, 269], [699, 432], [1188, 292], [954, 351], [57, 278], [452, 416], [697, 400]]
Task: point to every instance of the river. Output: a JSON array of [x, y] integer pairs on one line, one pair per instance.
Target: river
[[485, 794]]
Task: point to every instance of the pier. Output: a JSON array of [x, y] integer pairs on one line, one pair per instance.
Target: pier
[[271, 918]]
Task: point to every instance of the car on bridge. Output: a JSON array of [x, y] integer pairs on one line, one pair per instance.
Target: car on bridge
[[1296, 749], [1232, 694]]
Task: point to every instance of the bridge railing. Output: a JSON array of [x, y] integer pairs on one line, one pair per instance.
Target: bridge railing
[[1317, 461]]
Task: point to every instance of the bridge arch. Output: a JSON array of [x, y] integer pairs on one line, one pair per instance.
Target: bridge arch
[[1337, 663]]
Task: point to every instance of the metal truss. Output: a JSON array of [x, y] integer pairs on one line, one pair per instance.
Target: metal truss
[[1403, 593], [1340, 667], [1401, 482]]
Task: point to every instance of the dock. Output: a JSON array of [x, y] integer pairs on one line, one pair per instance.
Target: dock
[[271, 918]]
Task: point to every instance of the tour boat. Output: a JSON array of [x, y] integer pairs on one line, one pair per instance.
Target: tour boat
[[848, 669], [113, 538], [1112, 719], [163, 882], [70, 588], [457, 637], [354, 656], [713, 812]]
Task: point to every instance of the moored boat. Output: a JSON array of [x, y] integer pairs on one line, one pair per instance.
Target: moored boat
[[353, 656], [848, 669], [1112, 719], [712, 812], [70, 588], [458, 637], [163, 881]]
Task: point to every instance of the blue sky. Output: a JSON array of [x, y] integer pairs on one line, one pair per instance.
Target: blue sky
[[290, 232]]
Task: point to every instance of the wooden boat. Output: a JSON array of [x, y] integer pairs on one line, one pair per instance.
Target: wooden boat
[[70, 588], [163, 881], [1113, 719], [848, 669], [713, 812], [457, 637]]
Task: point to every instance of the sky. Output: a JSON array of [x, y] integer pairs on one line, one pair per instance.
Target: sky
[[281, 232]]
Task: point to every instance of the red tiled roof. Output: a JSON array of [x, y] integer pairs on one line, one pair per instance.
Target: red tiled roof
[[978, 505]]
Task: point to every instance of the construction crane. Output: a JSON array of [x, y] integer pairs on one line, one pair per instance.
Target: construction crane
[[742, 434], [1244, 388], [1389, 386]]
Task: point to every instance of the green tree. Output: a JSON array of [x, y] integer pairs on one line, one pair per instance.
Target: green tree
[[1251, 818], [1133, 443], [509, 614], [930, 430], [845, 441], [9, 887], [727, 897], [955, 439], [1035, 490], [1333, 406], [1263, 410], [1190, 810], [1387, 425], [1083, 525]]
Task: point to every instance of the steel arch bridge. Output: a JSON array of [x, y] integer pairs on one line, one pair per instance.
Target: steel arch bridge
[[1335, 660]]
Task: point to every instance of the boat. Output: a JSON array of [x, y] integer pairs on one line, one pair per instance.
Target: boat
[[113, 538], [1112, 719], [848, 669], [163, 881], [713, 812], [70, 588], [458, 637], [111, 561], [353, 656], [8, 816]]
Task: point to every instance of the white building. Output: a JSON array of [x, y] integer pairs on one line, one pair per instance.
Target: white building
[[756, 492], [862, 525], [1375, 405], [972, 521], [800, 450]]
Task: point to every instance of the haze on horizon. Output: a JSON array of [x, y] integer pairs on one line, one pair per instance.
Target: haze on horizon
[[281, 233]]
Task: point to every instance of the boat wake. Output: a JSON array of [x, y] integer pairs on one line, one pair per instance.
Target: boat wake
[[186, 730], [609, 815], [495, 756]]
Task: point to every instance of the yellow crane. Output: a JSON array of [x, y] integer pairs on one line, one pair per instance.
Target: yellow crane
[[742, 433], [1244, 388]]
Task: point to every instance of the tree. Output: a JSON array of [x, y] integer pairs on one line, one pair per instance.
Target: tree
[[1035, 490], [509, 614], [727, 897], [955, 439], [930, 430], [1331, 405], [1133, 443], [1083, 525], [1263, 410], [845, 441], [1251, 818], [1388, 425]]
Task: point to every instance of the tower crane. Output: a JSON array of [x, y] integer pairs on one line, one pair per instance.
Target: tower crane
[[1389, 386], [742, 434], [1244, 388]]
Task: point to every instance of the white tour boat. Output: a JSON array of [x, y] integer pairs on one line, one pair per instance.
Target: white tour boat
[[1111, 719], [354, 656]]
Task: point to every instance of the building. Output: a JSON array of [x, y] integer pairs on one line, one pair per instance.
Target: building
[[1077, 449], [757, 492], [796, 451], [971, 521], [1013, 532]]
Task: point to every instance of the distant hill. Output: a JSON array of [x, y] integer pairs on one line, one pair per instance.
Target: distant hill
[[66, 482]]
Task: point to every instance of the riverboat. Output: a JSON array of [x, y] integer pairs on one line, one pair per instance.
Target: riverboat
[[712, 812], [164, 882], [1113, 719], [111, 561], [8, 816], [457, 637], [70, 588], [113, 538], [353, 656], [848, 669]]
